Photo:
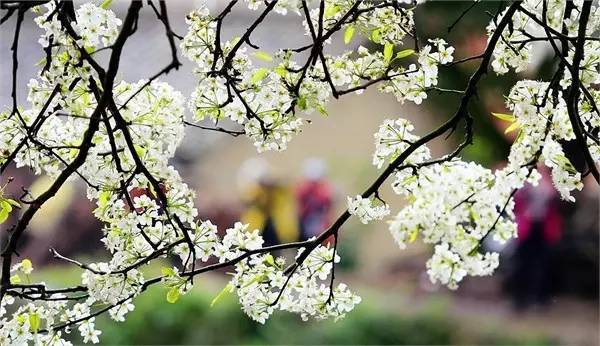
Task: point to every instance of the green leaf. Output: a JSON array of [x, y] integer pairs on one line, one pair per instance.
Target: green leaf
[[21, 319], [322, 110], [12, 202], [331, 11], [105, 4], [281, 71], [15, 279], [73, 152], [5, 209], [226, 290], [388, 52], [270, 260], [473, 215], [348, 34], [103, 198], [263, 56], [409, 180], [564, 162], [259, 75], [139, 150], [3, 215], [41, 62], [376, 36], [512, 127], [404, 53], [34, 323], [302, 103], [519, 136], [505, 117], [413, 235], [26, 265], [168, 271], [153, 192], [5, 205], [173, 295], [235, 40]]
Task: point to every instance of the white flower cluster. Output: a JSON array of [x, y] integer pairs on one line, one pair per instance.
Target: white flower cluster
[[237, 240], [111, 288], [412, 83], [366, 210], [264, 285], [136, 225], [392, 139], [514, 50], [265, 99], [65, 76], [96, 26], [543, 123], [28, 319], [148, 211], [138, 222], [455, 205]]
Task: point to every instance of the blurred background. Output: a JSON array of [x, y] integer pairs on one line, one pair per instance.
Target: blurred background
[[545, 292]]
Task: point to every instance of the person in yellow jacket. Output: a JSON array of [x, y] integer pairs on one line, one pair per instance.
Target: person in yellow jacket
[[270, 208]]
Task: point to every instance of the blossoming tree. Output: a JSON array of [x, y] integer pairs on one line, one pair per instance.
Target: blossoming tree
[[81, 123]]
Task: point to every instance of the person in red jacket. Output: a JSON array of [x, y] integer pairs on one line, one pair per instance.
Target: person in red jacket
[[539, 225], [314, 199]]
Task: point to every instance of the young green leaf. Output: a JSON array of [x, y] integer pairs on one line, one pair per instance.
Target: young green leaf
[[260, 74], [103, 198], [15, 279], [168, 271], [376, 36], [263, 56], [348, 34], [413, 235], [41, 62], [302, 103], [34, 323], [270, 260], [505, 117], [474, 251], [227, 289], [12, 202], [105, 4], [5, 209], [512, 127], [281, 70], [404, 53], [519, 136], [331, 11], [173, 295], [26, 265], [3, 215], [565, 163], [139, 150], [322, 110], [388, 52]]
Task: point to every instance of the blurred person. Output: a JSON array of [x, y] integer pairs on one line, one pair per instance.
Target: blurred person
[[314, 199], [576, 261], [270, 205], [539, 223]]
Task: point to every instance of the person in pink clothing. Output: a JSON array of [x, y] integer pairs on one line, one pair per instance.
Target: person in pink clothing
[[539, 226], [314, 198]]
